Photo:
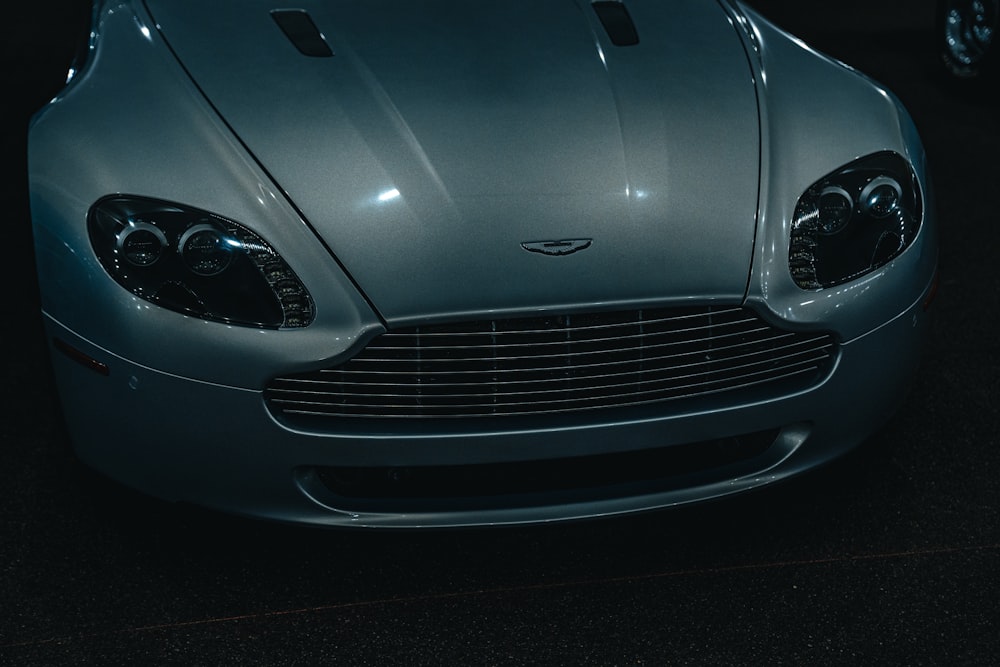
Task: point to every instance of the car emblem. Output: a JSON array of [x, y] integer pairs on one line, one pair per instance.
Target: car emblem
[[564, 247]]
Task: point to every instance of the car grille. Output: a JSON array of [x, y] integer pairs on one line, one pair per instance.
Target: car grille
[[557, 364]]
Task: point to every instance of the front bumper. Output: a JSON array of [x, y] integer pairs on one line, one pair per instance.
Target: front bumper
[[219, 447]]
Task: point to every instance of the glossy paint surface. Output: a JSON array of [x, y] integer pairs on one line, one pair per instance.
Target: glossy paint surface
[[400, 179], [441, 136]]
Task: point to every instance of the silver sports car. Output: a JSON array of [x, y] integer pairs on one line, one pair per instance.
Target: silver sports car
[[403, 263]]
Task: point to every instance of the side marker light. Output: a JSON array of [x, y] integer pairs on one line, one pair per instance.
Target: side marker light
[[81, 358]]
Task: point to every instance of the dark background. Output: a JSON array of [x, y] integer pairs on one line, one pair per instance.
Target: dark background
[[889, 556]]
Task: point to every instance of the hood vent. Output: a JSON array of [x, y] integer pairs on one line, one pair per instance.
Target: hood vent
[[298, 26], [617, 22]]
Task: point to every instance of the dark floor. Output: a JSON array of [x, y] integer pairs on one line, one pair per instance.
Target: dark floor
[[890, 557]]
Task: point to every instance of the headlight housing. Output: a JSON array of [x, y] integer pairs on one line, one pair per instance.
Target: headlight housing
[[196, 263], [854, 220]]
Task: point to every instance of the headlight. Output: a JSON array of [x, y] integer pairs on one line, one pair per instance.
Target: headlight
[[854, 220], [196, 263]]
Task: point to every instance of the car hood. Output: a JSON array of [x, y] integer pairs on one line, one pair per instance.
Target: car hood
[[444, 143]]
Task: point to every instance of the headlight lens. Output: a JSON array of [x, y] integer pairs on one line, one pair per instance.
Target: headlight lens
[[854, 220], [196, 263]]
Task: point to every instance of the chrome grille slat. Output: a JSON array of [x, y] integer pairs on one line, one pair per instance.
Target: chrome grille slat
[[648, 383], [646, 323], [470, 399], [627, 378], [564, 343], [560, 365], [445, 361], [571, 341], [423, 414], [496, 373]]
